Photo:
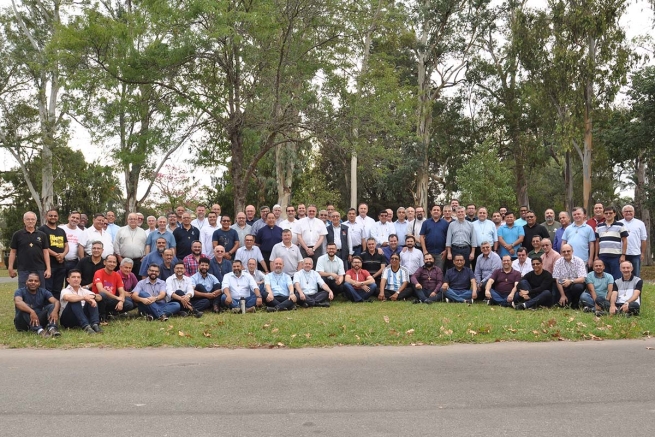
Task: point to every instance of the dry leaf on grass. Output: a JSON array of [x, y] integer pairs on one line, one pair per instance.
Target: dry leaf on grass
[[386, 319], [409, 332], [274, 330], [207, 334]]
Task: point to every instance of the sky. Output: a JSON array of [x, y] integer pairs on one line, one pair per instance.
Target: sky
[[638, 21]]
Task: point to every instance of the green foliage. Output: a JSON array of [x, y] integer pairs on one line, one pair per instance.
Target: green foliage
[[484, 179]]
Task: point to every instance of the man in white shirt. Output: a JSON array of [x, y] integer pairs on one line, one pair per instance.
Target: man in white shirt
[[382, 229], [364, 220], [130, 242], [311, 232], [179, 288], [96, 233], [200, 221], [414, 226], [522, 263], [73, 235], [637, 239], [290, 223], [401, 226], [79, 306], [356, 232], [237, 285], [410, 257], [310, 288]]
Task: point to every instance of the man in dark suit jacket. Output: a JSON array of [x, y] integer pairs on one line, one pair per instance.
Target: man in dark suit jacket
[[342, 240]]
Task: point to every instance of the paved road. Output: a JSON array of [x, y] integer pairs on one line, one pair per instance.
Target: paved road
[[8, 281], [550, 389]]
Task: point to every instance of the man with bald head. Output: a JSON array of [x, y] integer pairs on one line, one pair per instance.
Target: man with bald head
[[29, 252], [570, 274]]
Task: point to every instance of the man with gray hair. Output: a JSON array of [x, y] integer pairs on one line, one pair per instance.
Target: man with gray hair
[[461, 238], [637, 239], [130, 242], [29, 251]]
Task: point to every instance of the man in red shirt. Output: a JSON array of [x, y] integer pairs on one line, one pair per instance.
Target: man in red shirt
[[359, 283], [109, 285]]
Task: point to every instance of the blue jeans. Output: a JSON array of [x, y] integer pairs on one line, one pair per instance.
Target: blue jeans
[[359, 295], [499, 299], [22, 319], [458, 295], [612, 265], [158, 308], [251, 301], [635, 260], [77, 315], [586, 300]]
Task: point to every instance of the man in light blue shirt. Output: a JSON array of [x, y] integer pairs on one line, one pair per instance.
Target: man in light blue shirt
[[581, 237], [510, 237], [278, 293], [599, 287]]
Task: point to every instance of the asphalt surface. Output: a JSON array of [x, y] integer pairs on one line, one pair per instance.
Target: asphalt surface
[[603, 388]]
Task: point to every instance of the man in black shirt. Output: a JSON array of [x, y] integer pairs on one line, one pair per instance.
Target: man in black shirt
[[373, 261], [185, 235], [29, 252], [58, 249], [89, 265], [534, 288]]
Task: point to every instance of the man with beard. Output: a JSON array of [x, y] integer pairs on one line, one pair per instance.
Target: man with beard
[[57, 250], [36, 308], [192, 261], [166, 268], [179, 288], [205, 286], [156, 257], [506, 280], [237, 285], [534, 289], [355, 232], [73, 234], [331, 269], [410, 257], [470, 213], [226, 237], [279, 293], [311, 290], [427, 281], [359, 285], [551, 224], [161, 232], [150, 296], [414, 225]]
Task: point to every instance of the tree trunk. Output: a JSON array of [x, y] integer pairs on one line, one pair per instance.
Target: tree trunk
[[640, 204], [285, 159], [588, 144], [423, 131], [568, 182]]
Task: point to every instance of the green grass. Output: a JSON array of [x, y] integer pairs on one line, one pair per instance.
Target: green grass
[[379, 323]]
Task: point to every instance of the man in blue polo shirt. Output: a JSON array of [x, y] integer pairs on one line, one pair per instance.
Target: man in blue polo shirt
[[510, 236], [459, 282], [279, 293], [433, 236]]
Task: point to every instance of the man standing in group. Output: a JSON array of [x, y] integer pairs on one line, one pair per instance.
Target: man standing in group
[[433, 236], [250, 215], [242, 228], [598, 218], [261, 222], [570, 274], [564, 221], [161, 232], [510, 236], [302, 211], [611, 242], [151, 220], [250, 251], [112, 227], [29, 252], [268, 236], [155, 257], [150, 296], [401, 226], [551, 224], [414, 226], [311, 232], [290, 223], [130, 242], [531, 228], [207, 232], [506, 280], [461, 238], [226, 237], [637, 239], [57, 249], [364, 220], [73, 235], [200, 221], [95, 233], [310, 288], [392, 248], [522, 221], [172, 222], [289, 252], [581, 237], [185, 235], [470, 213], [382, 229], [337, 233], [410, 257], [485, 230], [355, 232], [36, 308]]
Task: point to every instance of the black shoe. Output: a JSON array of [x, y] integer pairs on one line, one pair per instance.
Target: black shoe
[[183, 314], [369, 301], [304, 304], [197, 314], [323, 304], [415, 301], [588, 310], [600, 313], [89, 330], [96, 328], [271, 309], [520, 306], [54, 332], [216, 309], [163, 318], [149, 318]]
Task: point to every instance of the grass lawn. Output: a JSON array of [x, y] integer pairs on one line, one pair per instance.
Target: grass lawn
[[378, 323]]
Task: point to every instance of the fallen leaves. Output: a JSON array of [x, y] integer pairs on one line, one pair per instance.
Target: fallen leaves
[[183, 334], [409, 332], [386, 319], [207, 334]]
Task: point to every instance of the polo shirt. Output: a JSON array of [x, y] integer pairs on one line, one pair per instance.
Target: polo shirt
[[29, 248], [610, 238], [637, 234], [290, 255], [503, 281], [510, 235], [151, 289], [155, 235], [459, 279], [183, 240], [372, 263], [626, 289], [600, 283], [579, 237], [485, 230], [279, 283], [435, 233], [267, 237]]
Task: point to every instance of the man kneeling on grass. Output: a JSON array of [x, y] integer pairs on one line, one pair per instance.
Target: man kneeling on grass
[[36, 308], [311, 290], [150, 296], [502, 284], [79, 306], [625, 298], [535, 288], [459, 283]]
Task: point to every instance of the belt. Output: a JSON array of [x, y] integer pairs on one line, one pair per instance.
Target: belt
[[461, 247]]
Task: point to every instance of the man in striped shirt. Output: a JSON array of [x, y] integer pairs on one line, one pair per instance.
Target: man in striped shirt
[[611, 242], [395, 278]]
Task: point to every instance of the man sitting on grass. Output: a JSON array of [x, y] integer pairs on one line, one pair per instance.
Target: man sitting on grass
[[36, 308], [108, 283], [311, 290], [395, 281], [79, 306], [237, 285], [427, 281], [626, 293], [150, 296], [506, 281], [535, 288], [359, 284], [459, 282], [599, 288], [279, 293]]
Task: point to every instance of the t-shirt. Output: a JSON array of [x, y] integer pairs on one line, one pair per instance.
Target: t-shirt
[[600, 284], [227, 239], [37, 301], [73, 237], [360, 276], [57, 240], [110, 281]]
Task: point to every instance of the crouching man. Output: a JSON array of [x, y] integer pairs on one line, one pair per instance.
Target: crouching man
[[625, 298], [311, 290], [79, 306], [150, 296], [36, 308]]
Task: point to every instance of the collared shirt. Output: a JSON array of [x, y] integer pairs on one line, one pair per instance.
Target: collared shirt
[[130, 243], [509, 235], [557, 242], [150, 288], [112, 229], [579, 237], [524, 268], [593, 222], [173, 284], [459, 279], [227, 239], [395, 279], [569, 269], [191, 264], [430, 279], [310, 281], [358, 276], [381, 231], [387, 251], [610, 237], [401, 231], [71, 291], [367, 224], [184, 238], [326, 265], [485, 230], [504, 281], [549, 259], [200, 223], [243, 255], [600, 283], [255, 227], [356, 233], [152, 258], [535, 254], [91, 235], [267, 237], [552, 228], [206, 235], [411, 259], [29, 248], [37, 301], [414, 229], [435, 233], [206, 281], [286, 224], [290, 255], [626, 289], [461, 234], [311, 230], [242, 232], [372, 263], [155, 235], [130, 281], [279, 283], [637, 234], [486, 265], [241, 286], [220, 269], [167, 272]]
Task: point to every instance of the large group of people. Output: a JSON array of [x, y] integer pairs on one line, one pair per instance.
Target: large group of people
[[78, 276]]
